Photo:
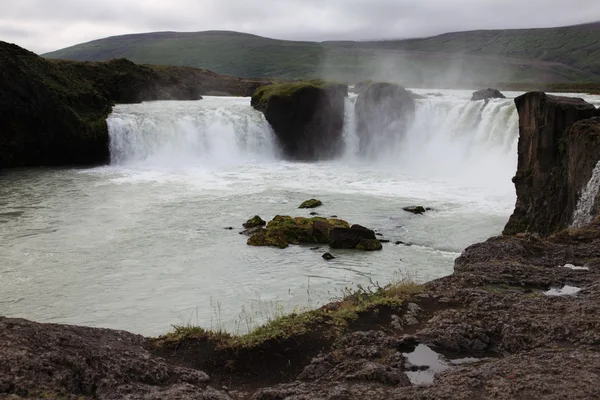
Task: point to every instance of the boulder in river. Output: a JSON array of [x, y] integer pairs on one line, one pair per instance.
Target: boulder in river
[[307, 117], [350, 238], [418, 210], [328, 256], [284, 230], [312, 203], [559, 146], [486, 94]]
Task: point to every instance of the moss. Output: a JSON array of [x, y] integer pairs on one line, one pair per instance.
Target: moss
[[283, 230], [369, 245], [312, 203], [263, 94], [254, 222]]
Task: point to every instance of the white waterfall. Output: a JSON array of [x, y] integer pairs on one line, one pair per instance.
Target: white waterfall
[[583, 214]]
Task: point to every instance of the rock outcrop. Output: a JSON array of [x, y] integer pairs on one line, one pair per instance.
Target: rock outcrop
[[47, 116], [383, 111], [486, 94], [355, 237], [307, 117], [558, 148], [284, 230], [54, 112]]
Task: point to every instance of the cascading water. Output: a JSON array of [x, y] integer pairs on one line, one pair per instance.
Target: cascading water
[[449, 137], [583, 214], [212, 131]]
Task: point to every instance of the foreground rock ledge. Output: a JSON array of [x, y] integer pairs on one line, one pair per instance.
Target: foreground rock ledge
[[493, 309]]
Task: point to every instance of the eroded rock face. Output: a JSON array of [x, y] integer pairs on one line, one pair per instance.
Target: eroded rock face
[[383, 112], [486, 94], [556, 156], [307, 119]]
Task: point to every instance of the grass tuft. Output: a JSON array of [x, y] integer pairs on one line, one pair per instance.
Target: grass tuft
[[329, 321]]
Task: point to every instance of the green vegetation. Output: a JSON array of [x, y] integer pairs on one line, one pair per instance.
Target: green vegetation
[[312, 203], [549, 55], [263, 94], [328, 321], [285, 230], [254, 222]]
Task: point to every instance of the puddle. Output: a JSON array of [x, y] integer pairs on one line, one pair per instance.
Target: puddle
[[564, 291], [428, 362], [575, 267]]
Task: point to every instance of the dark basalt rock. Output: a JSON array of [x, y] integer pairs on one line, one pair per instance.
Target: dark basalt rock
[[48, 117], [383, 111], [486, 94], [307, 117], [328, 256], [559, 146], [418, 210], [351, 238]]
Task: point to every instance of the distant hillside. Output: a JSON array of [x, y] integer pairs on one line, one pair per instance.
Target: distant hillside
[[566, 54]]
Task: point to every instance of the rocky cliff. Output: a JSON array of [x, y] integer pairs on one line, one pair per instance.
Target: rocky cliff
[[54, 112], [558, 148], [307, 117], [47, 116], [383, 111]]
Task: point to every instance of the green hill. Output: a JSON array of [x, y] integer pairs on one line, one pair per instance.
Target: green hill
[[565, 54]]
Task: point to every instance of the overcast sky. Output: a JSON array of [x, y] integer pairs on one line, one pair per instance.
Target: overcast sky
[[46, 25]]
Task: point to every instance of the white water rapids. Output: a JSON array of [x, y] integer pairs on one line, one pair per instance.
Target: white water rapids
[[140, 244]]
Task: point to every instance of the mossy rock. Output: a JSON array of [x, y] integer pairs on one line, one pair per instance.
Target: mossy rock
[[254, 222], [263, 94], [369, 245], [312, 203], [264, 238], [283, 230]]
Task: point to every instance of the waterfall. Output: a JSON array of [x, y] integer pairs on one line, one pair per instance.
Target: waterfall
[[447, 137], [212, 131], [583, 214]]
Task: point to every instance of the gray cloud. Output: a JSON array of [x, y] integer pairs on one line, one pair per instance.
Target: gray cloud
[[45, 25]]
